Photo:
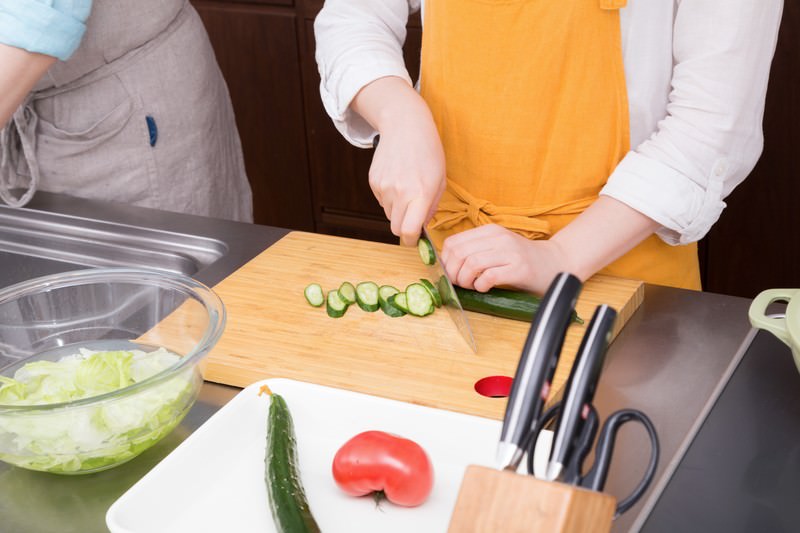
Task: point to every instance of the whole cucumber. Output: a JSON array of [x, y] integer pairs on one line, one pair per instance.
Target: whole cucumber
[[287, 499], [503, 303]]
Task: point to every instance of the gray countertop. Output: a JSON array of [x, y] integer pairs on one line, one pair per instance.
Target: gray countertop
[[673, 360]]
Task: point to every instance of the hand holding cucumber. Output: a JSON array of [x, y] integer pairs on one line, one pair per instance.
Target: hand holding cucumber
[[491, 255]]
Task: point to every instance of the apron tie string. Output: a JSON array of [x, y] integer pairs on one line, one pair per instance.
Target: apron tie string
[[18, 153], [457, 205]]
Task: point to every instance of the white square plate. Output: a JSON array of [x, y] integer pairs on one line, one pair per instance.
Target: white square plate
[[214, 480]]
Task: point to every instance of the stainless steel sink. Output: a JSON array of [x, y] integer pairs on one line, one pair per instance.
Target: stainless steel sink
[[34, 243], [56, 233]]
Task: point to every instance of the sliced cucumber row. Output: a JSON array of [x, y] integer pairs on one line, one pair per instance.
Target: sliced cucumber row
[[419, 299]]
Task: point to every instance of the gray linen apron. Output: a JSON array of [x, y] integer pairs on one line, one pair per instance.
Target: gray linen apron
[[139, 114]]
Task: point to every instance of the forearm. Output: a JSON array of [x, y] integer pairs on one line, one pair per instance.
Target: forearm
[[358, 42], [19, 72], [390, 102], [600, 235]]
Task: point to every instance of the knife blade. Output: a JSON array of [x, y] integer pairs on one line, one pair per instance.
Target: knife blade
[[449, 297]]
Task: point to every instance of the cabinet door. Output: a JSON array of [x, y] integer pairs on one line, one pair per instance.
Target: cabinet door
[[257, 50], [343, 201]]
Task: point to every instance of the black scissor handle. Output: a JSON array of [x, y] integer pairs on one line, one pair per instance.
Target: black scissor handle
[[595, 479]]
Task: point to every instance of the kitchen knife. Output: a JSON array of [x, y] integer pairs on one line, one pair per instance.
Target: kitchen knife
[[536, 367], [580, 389], [449, 298], [445, 287]]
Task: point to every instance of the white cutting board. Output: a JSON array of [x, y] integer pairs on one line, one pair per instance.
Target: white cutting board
[[214, 480]]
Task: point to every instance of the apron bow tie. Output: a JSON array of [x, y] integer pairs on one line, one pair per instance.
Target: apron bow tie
[[457, 205]]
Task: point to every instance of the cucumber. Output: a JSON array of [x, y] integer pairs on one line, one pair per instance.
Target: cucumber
[[336, 306], [419, 300], [437, 298], [287, 498], [314, 295], [503, 303], [367, 296], [400, 301], [425, 249], [384, 294], [347, 292]]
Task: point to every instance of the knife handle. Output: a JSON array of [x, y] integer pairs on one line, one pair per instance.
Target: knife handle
[[536, 367], [580, 388]]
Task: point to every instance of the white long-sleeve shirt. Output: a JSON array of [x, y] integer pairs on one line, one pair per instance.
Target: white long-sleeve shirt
[[696, 74]]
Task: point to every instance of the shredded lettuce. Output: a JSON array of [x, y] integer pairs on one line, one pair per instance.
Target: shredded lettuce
[[96, 436]]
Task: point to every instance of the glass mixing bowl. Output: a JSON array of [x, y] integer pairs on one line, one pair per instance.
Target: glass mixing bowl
[[108, 309]]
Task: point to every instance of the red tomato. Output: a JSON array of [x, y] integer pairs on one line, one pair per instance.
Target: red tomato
[[377, 461]]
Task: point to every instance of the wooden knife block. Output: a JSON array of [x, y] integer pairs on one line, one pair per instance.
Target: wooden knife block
[[494, 500]]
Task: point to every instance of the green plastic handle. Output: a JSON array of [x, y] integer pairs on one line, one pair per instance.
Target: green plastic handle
[[758, 309]]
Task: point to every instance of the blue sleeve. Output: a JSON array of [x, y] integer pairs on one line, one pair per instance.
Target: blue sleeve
[[51, 27]]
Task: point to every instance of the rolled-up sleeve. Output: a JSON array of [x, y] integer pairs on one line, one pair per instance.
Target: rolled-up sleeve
[[51, 27], [358, 41], [711, 137]]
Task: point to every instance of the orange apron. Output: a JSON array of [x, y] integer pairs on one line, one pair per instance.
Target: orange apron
[[530, 102]]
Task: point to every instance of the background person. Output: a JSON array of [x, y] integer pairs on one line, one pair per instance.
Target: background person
[[135, 110]]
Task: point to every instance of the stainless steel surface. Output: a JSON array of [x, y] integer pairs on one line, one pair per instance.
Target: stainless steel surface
[[740, 473], [450, 298], [671, 361]]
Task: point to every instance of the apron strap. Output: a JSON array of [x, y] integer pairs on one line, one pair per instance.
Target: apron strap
[[17, 139], [613, 4]]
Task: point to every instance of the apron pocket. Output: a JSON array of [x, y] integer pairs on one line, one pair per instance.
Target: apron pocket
[[111, 159]]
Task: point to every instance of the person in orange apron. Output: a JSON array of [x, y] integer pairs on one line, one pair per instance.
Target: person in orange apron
[[526, 101], [135, 111]]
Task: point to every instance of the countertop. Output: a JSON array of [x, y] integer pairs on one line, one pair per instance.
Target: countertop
[[678, 360]]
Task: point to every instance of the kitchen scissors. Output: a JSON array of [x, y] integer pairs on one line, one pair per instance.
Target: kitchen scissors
[[577, 421], [595, 478]]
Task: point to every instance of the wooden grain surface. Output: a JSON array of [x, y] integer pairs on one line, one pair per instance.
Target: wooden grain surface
[[272, 332], [498, 500]]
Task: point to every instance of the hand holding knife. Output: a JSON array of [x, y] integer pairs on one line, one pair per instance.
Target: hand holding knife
[[445, 286]]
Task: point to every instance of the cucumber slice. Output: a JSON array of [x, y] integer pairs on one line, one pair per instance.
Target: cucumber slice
[[384, 295], [336, 306], [347, 292], [420, 301], [400, 301], [367, 296], [314, 295], [437, 298], [426, 252], [385, 292]]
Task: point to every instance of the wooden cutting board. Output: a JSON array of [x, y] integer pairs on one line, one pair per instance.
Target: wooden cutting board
[[272, 332]]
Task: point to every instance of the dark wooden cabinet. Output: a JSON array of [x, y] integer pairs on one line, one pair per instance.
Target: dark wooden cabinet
[[306, 176], [257, 47]]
